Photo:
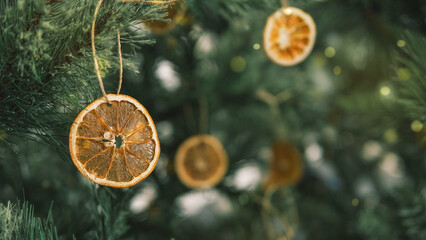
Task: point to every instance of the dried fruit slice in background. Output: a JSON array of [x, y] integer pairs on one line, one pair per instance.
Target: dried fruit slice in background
[[286, 166], [175, 13], [201, 161], [289, 36]]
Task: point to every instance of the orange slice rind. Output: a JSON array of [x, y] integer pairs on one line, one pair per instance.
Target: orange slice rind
[[289, 36], [201, 161], [114, 144]]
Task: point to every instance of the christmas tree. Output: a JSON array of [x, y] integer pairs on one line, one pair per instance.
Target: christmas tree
[[276, 119]]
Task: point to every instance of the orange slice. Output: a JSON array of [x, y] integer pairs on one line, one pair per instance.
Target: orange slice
[[289, 36], [114, 144], [201, 161], [175, 12], [286, 166]]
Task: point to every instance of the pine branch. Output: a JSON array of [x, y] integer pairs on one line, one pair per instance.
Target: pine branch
[[110, 205], [19, 222], [47, 75], [410, 62]]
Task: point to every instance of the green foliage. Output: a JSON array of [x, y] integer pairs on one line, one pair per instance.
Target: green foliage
[[412, 210], [411, 73], [216, 14], [47, 65], [9, 222], [402, 218], [19, 222], [47, 76], [111, 208], [376, 225]]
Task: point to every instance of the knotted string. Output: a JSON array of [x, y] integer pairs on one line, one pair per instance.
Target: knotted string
[[284, 3], [121, 61], [95, 60]]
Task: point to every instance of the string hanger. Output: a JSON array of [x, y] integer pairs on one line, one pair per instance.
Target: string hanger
[[95, 60], [274, 106], [284, 3]]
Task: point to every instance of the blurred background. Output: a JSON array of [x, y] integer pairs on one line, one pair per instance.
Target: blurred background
[[347, 122]]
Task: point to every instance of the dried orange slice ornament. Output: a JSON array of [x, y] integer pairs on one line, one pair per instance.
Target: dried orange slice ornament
[[114, 144], [289, 36], [286, 166], [201, 161]]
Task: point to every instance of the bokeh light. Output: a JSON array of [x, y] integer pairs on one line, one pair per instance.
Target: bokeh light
[[404, 74], [330, 52], [337, 70], [416, 126], [390, 136], [238, 64], [385, 91], [400, 43]]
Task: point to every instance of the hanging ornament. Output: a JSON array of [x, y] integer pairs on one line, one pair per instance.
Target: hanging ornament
[[289, 35], [175, 13], [286, 166], [113, 141], [280, 214], [201, 161], [116, 143]]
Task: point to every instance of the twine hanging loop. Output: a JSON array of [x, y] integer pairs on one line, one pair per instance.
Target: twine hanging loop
[[284, 3], [95, 60]]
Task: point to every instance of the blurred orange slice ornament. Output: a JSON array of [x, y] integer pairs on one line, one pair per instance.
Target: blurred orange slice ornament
[[289, 36], [175, 13], [114, 144], [201, 161], [286, 166]]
